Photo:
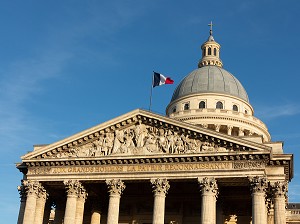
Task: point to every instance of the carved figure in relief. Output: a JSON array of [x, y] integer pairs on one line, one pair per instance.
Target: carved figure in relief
[[179, 145], [140, 134], [129, 144], [118, 141], [108, 143], [141, 139], [193, 145], [99, 145], [85, 150], [221, 149], [162, 140], [151, 143], [207, 147], [171, 142]]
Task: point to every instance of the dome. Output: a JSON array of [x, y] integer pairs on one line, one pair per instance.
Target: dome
[[210, 79]]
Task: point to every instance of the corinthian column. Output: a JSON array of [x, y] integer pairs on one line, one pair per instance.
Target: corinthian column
[[82, 195], [279, 190], [258, 187], [115, 189], [72, 188], [209, 191], [22, 193], [40, 205], [32, 190], [160, 188]]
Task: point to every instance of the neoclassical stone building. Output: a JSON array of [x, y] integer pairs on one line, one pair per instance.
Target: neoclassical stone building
[[209, 160]]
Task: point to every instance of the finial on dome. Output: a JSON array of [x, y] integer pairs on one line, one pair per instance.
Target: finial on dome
[[211, 26]]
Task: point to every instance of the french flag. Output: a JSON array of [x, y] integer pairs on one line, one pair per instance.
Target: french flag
[[159, 79]]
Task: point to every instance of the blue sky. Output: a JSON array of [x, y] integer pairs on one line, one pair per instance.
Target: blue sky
[[68, 65]]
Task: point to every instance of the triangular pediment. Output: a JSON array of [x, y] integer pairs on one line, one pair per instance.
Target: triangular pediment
[[140, 133]]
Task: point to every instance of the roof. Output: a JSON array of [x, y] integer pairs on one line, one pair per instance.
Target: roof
[[210, 79]]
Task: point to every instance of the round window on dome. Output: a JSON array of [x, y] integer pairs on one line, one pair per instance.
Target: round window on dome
[[219, 105], [202, 105], [174, 109], [235, 108], [186, 106]]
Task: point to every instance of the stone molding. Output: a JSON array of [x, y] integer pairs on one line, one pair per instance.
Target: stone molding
[[160, 186], [115, 186], [208, 185], [258, 184], [205, 157]]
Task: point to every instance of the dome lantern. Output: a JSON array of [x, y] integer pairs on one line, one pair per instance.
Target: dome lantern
[[210, 51]]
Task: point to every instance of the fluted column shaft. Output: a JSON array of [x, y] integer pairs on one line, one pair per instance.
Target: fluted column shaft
[[40, 205], [47, 211], [82, 195], [279, 190], [115, 189], [72, 188], [258, 188], [160, 188], [32, 189], [209, 191], [22, 193]]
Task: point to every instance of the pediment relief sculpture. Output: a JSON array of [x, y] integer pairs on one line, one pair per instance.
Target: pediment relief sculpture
[[141, 139]]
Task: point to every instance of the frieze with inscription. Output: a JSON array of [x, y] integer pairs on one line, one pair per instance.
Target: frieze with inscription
[[140, 139], [144, 168]]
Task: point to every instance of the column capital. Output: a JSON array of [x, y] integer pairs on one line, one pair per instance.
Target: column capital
[[31, 187], [72, 187], [160, 186], [82, 193], [208, 185], [115, 186], [258, 184], [279, 188], [42, 193]]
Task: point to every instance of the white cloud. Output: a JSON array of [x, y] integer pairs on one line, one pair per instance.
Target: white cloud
[[273, 112]]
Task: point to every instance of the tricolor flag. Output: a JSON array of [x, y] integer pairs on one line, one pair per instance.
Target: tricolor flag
[[159, 79]]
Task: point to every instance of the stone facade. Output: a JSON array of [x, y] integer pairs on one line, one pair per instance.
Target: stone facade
[[208, 166], [193, 173]]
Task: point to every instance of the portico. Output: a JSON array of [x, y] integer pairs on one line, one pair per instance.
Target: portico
[[150, 183]]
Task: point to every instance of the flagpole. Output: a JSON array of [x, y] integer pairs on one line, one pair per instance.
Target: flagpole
[[151, 94]]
